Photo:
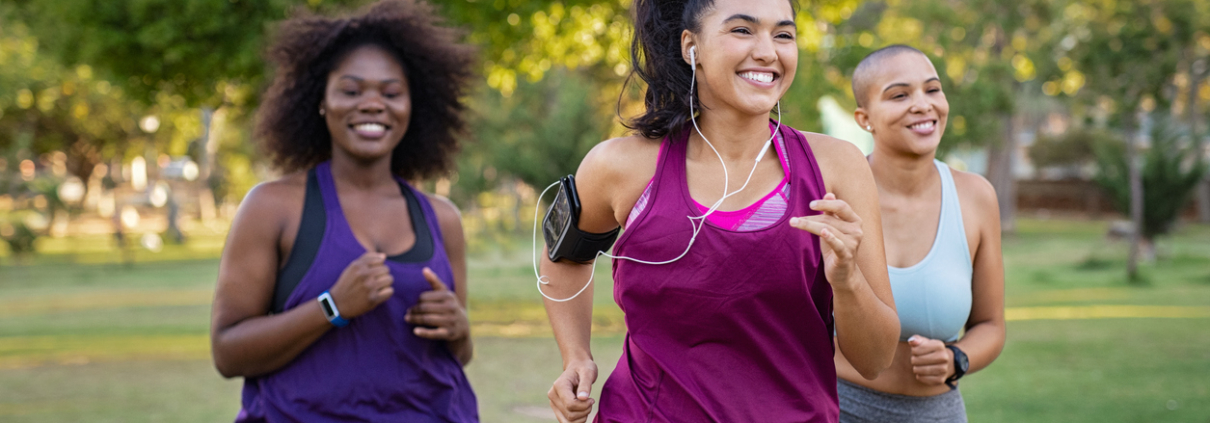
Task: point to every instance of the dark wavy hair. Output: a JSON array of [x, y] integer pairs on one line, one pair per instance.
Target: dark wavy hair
[[308, 47], [655, 56]]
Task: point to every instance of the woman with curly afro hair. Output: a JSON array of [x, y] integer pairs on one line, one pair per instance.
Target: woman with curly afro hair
[[342, 290]]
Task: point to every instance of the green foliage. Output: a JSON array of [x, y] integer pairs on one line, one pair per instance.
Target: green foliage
[[1130, 51], [17, 234], [1172, 168], [184, 47], [539, 134], [1074, 147]]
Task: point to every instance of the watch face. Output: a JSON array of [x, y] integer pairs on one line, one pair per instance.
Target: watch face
[[961, 360], [327, 306]]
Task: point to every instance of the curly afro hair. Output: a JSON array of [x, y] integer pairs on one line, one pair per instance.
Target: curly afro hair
[[309, 47]]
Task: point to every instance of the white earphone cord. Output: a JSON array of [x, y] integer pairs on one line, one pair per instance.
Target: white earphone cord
[[700, 220]]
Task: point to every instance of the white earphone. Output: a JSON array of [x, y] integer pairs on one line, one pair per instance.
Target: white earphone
[[696, 222]]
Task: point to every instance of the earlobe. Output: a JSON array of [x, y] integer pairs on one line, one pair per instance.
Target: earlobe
[[862, 119]]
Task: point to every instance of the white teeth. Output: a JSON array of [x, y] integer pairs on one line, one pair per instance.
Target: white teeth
[[370, 127], [922, 125], [765, 77]]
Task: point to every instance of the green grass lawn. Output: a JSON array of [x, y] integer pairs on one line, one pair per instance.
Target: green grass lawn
[[85, 339]]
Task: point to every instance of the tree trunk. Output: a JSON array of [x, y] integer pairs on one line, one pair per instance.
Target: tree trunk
[[1001, 158], [1134, 165]]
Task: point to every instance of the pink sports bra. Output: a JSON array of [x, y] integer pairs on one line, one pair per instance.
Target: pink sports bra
[[759, 215]]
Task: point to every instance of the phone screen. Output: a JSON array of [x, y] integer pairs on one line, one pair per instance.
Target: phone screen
[[557, 218]]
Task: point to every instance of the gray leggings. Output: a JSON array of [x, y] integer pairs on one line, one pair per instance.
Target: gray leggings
[[859, 404]]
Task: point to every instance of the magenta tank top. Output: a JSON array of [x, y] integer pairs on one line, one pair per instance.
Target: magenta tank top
[[738, 330]]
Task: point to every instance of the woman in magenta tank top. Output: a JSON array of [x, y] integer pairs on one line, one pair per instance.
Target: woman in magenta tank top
[[342, 290], [738, 327]]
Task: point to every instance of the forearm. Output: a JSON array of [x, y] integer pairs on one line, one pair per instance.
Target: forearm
[[263, 344], [570, 320], [982, 343], [867, 329]]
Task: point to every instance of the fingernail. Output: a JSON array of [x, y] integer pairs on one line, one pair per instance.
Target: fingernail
[[813, 203], [794, 221]]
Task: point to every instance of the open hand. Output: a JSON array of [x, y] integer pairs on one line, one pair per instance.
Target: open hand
[[839, 229]]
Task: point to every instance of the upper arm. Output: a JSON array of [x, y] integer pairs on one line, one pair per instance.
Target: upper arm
[[611, 178], [248, 270], [978, 200], [450, 220], [846, 173]]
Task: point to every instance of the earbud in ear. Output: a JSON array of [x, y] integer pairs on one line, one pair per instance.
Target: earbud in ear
[[693, 55]]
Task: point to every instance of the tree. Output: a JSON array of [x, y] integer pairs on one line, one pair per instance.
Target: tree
[[1172, 168], [1109, 42]]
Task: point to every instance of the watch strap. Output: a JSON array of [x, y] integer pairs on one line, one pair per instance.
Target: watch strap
[[328, 305], [961, 365]]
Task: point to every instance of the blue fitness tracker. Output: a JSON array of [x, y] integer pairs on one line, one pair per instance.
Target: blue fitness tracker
[[560, 228], [330, 310]]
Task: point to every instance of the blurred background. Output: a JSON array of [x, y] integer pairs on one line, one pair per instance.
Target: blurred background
[[125, 149]]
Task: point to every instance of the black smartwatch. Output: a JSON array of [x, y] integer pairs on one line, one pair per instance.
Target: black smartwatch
[[961, 365]]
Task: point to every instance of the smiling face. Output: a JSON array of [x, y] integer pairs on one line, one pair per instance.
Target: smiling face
[[366, 104], [905, 107], [746, 54]]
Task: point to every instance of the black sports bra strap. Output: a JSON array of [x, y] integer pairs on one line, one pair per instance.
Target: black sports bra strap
[[422, 250], [306, 244]]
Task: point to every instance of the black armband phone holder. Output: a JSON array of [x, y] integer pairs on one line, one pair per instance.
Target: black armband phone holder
[[564, 239]]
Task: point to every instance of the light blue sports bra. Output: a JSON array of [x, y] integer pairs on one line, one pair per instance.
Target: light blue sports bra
[[933, 297]]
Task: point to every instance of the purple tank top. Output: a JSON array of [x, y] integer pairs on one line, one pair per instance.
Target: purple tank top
[[740, 329], [374, 369]]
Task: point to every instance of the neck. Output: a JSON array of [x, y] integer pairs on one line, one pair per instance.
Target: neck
[[359, 173], [901, 173], [736, 137]]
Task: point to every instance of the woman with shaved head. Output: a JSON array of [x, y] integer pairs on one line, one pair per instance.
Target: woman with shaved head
[[942, 237]]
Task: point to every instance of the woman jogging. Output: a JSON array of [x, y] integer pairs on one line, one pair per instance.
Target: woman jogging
[[729, 316], [342, 290], [942, 236]]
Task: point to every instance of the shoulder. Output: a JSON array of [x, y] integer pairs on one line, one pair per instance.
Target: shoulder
[[445, 210], [975, 190], [267, 198], [269, 208], [612, 177], [620, 156], [826, 147], [840, 162]]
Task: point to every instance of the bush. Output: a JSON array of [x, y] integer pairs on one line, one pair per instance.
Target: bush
[[19, 237], [1172, 169]]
